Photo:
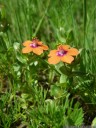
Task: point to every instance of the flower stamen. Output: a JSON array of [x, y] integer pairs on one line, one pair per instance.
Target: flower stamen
[[61, 52], [34, 45]]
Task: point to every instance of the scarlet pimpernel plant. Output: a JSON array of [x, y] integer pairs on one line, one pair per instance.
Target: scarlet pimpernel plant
[[63, 53], [34, 46]]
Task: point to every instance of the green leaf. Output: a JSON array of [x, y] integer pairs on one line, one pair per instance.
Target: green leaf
[[70, 37], [65, 70], [21, 58], [76, 116], [61, 38], [16, 67], [94, 122], [58, 66], [16, 46], [63, 78], [2, 11], [56, 91]]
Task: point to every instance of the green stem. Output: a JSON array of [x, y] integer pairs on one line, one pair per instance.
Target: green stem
[[40, 22], [85, 20]]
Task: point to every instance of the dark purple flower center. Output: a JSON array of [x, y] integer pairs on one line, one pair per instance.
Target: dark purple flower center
[[61, 52], [33, 45]]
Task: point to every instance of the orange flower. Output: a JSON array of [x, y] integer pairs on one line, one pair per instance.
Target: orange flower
[[34, 46], [63, 53]]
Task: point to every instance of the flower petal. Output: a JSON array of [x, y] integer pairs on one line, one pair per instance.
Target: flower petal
[[37, 51], [65, 47], [54, 60], [27, 43], [73, 52], [67, 59], [26, 50], [44, 47], [52, 53], [39, 42]]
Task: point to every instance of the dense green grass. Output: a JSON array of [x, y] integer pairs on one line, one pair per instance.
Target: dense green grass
[[34, 94]]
